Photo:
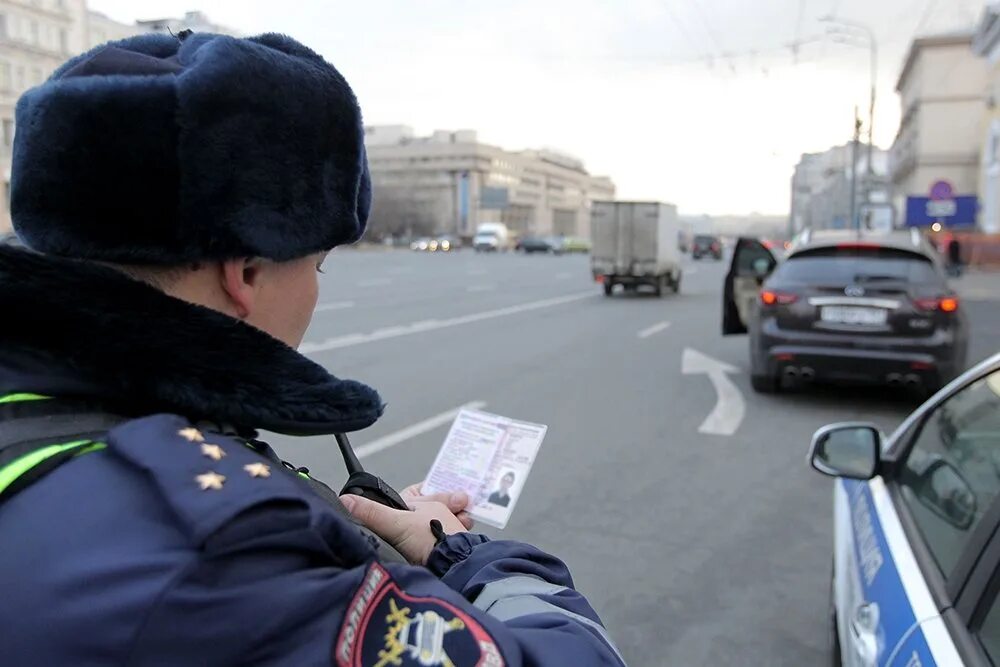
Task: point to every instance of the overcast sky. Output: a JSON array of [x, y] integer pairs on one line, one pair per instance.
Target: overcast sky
[[697, 102]]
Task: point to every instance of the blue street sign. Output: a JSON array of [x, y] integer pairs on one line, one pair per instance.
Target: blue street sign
[[954, 212]]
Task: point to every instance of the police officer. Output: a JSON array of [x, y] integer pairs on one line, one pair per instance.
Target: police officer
[[177, 196]]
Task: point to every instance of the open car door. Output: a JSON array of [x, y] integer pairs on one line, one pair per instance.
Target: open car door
[[752, 263]]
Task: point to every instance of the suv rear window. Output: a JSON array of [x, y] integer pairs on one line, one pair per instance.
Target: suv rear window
[[845, 266]]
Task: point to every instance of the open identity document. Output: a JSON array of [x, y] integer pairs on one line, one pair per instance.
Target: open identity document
[[489, 457]]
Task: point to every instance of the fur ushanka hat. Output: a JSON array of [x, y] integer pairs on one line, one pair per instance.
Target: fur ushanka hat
[[163, 150]]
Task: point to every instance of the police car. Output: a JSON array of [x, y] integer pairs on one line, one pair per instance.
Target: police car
[[916, 563]]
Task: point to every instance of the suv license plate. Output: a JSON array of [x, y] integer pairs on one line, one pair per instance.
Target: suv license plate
[[853, 315]]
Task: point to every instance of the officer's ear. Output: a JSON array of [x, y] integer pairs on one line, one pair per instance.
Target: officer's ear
[[240, 282]]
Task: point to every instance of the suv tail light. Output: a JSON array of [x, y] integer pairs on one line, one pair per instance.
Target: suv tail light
[[946, 304], [771, 298]]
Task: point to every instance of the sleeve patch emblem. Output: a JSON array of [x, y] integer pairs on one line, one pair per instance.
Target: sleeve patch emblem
[[385, 627]]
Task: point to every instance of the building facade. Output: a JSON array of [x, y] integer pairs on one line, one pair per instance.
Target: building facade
[[821, 187], [455, 183], [986, 44], [942, 88], [37, 36]]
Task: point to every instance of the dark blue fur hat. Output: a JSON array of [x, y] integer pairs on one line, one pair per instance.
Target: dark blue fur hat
[[165, 150]]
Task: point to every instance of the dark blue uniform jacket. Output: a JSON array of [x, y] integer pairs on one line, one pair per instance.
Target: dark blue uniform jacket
[[168, 540]]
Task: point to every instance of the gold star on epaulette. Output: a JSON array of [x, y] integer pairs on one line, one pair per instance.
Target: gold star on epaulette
[[191, 434], [210, 480], [258, 469], [213, 452]]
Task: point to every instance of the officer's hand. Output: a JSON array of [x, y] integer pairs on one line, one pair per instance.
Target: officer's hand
[[456, 502], [408, 532]]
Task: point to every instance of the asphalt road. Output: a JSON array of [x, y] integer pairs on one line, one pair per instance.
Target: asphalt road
[[696, 549]]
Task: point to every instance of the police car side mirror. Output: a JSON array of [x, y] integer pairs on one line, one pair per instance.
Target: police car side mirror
[[849, 449]]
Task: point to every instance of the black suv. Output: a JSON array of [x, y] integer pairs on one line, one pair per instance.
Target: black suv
[[704, 244], [845, 306]]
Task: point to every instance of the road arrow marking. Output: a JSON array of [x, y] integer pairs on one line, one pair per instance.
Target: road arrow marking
[[730, 407]]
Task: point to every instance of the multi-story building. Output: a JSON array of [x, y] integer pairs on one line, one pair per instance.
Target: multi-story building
[[941, 89], [36, 36], [986, 44], [455, 183], [821, 187], [195, 21]]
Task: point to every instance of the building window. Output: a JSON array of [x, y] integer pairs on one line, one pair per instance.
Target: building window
[[63, 41], [36, 75], [33, 31], [3, 26], [19, 78], [8, 132], [5, 77]]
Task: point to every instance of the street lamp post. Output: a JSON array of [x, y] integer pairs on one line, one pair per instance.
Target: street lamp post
[[869, 34]]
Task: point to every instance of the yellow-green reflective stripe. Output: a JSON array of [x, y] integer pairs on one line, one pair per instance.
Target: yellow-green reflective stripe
[[14, 398], [22, 465]]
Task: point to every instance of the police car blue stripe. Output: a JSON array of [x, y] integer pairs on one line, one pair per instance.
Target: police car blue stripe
[[890, 578]]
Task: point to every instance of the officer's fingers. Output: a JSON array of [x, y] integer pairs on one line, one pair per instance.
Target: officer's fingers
[[456, 501], [466, 520], [412, 491], [383, 521]]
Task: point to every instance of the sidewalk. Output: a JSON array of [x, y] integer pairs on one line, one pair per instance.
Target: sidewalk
[[978, 285]]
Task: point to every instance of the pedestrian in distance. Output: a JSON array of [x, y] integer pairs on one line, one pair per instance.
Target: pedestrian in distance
[[177, 196], [955, 256]]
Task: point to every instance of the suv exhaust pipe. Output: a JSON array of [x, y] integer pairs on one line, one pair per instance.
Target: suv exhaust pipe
[[912, 381], [790, 372], [807, 374], [894, 379]]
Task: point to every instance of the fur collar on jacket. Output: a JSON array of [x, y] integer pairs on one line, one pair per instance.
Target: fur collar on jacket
[[129, 344]]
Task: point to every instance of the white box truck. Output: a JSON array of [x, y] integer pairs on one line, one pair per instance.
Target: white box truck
[[635, 244], [491, 237]]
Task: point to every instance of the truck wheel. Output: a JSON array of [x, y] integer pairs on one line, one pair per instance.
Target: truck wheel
[[658, 287], [608, 288], [765, 384], [675, 284]]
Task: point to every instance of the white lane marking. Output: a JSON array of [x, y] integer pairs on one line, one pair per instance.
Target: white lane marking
[[480, 288], [432, 325], [655, 329], [730, 407], [563, 276], [374, 282], [393, 439], [336, 305]]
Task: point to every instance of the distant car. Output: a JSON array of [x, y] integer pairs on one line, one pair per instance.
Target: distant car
[[421, 244], [704, 244], [845, 306], [916, 531], [486, 242], [447, 243], [575, 244], [543, 244]]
